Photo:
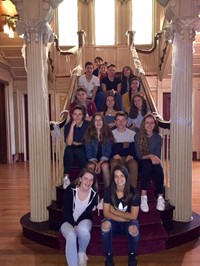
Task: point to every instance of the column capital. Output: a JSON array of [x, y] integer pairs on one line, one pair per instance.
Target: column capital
[[176, 9], [183, 18], [35, 16], [41, 29], [184, 27]]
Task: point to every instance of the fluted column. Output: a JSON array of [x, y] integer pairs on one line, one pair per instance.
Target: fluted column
[[181, 123], [182, 32], [35, 17]]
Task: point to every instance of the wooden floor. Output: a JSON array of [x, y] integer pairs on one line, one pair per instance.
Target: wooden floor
[[17, 250]]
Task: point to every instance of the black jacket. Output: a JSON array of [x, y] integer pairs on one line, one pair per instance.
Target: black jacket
[[69, 205]]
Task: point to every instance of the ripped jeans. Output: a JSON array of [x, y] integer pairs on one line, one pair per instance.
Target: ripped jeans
[[120, 228]]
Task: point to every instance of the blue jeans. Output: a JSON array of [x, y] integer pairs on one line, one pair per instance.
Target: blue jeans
[[83, 236], [99, 100], [121, 228]]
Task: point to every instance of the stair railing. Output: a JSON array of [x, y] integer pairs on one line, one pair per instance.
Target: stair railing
[[57, 127], [164, 126]]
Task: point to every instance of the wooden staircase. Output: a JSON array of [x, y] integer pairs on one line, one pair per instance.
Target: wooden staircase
[[157, 229], [153, 235]]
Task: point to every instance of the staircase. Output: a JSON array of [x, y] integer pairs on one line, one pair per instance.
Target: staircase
[[157, 229], [153, 235]]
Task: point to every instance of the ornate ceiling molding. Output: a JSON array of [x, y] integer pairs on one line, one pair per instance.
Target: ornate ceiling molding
[[123, 1], [85, 2], [163, 2]]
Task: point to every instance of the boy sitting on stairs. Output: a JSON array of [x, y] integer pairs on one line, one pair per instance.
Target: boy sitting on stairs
[[123, 151]]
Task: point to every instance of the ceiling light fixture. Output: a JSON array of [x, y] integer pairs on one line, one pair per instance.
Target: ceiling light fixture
[[10, 24]]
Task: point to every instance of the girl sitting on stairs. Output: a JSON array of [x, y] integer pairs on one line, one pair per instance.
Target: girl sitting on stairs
[[98, 146], [148, 145], [120, 209], [79, 200], [73, 134]]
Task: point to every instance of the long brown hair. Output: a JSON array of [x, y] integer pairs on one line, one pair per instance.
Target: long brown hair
[[105, 107], [130, 90], [105, 132], [133, 113], [143, 138], [128, 189], [125, 79]]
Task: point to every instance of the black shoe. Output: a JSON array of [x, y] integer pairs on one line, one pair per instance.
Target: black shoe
[[132, 259], [109, 260]]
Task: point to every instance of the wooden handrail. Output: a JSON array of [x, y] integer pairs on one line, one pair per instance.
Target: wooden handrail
[[81, 43], [62, 52], [146, 88], [57, 127], [153, 48], [64, 114], [130, 34]]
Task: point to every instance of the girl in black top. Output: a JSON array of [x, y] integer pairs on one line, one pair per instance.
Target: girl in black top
[[120, 209]]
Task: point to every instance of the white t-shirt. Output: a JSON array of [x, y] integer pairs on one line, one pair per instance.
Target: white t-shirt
[[89, 86], [126, 136], [80, 205]]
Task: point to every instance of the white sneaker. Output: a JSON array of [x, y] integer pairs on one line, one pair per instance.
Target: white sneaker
[[144, 205], [82, 259], [160, 204], [66, 182], [100, 205]]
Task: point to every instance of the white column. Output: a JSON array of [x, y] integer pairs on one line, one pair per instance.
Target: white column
[[36, 16], [39, 139], [183, 18], [181, 120]]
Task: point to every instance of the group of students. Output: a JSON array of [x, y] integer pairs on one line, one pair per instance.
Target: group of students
[[108, 142], [103, 81]]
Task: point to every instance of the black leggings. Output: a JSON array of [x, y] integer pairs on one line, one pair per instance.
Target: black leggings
[[74, 152], [148, 171]]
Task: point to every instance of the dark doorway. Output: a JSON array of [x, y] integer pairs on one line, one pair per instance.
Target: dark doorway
[[166, 105], [3, 137], [26, 125], [166, 117]]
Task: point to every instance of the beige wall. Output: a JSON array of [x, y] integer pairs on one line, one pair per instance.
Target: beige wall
[[118, 54]]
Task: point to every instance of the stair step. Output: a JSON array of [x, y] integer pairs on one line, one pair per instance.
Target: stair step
[[152, 239], [74, 174], [55, 216], [152, 233], [180, 234]]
